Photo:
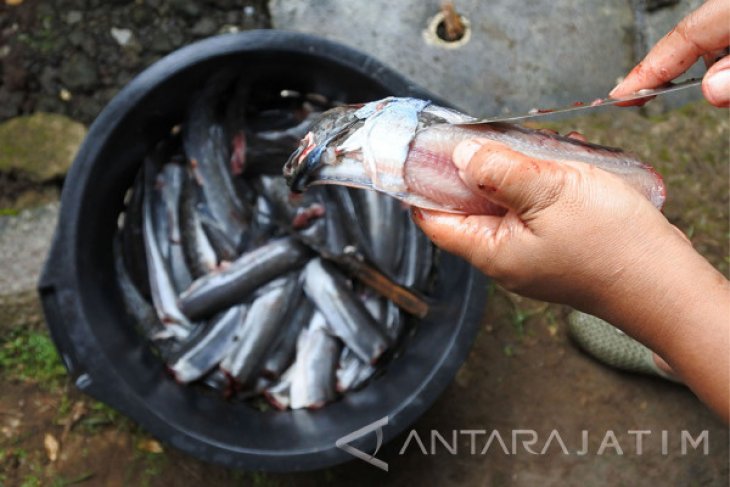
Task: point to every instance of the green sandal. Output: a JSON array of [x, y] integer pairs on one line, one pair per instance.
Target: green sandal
[[611, 346]]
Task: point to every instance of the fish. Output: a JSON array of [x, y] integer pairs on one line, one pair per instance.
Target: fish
[[346, 315], [284, 349], [145, 316], [384, 228], [352, 372], [214, 292], [207, 150], [172, 179], [203, 352], [199, 253], [351, 211], [418, 253], [256, 333], [132, 236], [278, 393], [162, 289], [313, 378], [385, 312], [403, 147]]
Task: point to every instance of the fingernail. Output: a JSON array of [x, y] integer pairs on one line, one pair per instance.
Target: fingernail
[[718, 87], [464, 152]]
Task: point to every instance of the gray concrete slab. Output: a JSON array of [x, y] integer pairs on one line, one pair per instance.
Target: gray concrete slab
[[520, 55], [24, 243]]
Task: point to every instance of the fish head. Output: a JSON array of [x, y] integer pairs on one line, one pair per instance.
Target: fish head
[[317, 147]]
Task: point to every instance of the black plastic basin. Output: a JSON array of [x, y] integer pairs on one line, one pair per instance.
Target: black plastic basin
[[111, 362]]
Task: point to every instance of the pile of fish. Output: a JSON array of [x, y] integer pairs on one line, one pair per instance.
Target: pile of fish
[[248, 288]]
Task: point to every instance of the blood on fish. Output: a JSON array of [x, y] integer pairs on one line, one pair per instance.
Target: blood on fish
[[238, 154], [305, 216]]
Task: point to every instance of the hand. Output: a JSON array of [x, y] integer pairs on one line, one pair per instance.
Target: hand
[[570, 233], [703, 33], [578, 235]]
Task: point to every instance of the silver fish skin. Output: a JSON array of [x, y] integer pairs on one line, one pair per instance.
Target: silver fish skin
[[385, 230], [203, 353], [352, 372], [145, 316], [164, 295], [346, 315], [197, 249], [386, 313], [417, 259], [278, 393], [257, 332], [283, 351], [214, 292], [351, 210], [173, 179], [206, 147], [313, 379], [403, 147]]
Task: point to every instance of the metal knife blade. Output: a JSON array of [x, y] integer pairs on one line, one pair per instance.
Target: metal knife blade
[[600, 102]]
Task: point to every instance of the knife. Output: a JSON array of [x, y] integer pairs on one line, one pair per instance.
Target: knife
[[600, 102]]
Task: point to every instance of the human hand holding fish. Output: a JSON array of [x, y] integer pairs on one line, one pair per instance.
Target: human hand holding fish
[[550, 217], [578, 235]]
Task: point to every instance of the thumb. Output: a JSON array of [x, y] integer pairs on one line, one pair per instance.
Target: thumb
[[716, 83], [508, 178]]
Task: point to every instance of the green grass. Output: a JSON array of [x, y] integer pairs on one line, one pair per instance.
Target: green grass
[[30, 355]]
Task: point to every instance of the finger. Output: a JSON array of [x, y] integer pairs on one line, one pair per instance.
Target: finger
[[702, 31], [508, 178], [712, 57], [471, 237], [716, 83]]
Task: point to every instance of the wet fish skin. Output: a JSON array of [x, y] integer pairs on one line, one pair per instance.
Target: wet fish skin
[[386, 313], [403, 147], [173, 179], [346, 315], [352, 372], [284, 350], [257, 332], [145, 316], [206, 147], [417, 259], [214, 292], [162, 289], [133, 236], [203, 353], [197, 249], [313, 379], [348, 203], [385, 229], [278, 393]]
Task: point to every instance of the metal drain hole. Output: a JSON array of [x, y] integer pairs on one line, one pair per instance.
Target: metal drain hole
[[447, 29]]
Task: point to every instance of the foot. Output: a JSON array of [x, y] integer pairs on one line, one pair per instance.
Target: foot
[[613, 347]]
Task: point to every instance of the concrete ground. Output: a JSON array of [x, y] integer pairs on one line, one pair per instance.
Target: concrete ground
[[523, 374]]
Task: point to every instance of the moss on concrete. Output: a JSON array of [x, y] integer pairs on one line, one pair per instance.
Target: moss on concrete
[[39, 147]]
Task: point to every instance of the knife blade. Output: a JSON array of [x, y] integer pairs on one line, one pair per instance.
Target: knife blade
[[599, 102]]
